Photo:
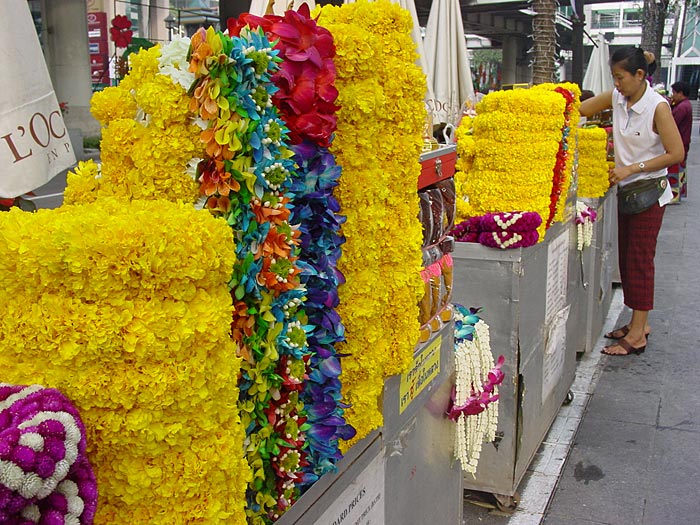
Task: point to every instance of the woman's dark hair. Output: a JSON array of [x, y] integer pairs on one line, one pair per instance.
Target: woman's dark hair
[[630, 59]]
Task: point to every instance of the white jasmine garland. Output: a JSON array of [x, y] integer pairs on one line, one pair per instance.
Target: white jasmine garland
[[473, 361], [584, 225]]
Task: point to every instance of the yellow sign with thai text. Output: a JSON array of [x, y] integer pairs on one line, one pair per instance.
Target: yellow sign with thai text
[[424, 368]]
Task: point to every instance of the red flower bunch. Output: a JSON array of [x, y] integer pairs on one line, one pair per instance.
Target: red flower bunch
[[120, 32], [562, 157], [306, 79]]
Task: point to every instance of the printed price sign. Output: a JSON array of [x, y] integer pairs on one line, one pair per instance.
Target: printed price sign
[[362, 502], [425, 367]]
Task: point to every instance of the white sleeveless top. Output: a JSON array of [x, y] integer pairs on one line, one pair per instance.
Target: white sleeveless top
[[634, 138]]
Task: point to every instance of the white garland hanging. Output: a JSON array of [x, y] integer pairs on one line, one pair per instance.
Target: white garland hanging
[[473, 361]]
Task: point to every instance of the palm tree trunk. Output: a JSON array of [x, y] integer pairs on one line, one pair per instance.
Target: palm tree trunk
[[544, 38], [653, 21]]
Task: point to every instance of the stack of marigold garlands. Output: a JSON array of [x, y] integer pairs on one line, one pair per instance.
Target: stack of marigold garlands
[[378, 145], [592, 162], [209, 333], [517, 155]]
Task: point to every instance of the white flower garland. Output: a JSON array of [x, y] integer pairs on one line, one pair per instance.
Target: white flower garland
[[473, 361], [584, 225]]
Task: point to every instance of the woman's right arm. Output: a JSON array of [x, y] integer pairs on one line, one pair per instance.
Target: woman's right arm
[[596, 104]]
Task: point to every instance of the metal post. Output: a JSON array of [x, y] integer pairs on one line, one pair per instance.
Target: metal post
[[577, 25]]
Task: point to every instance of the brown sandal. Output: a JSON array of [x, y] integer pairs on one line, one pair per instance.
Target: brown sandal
[[624, 330], [628, 348]]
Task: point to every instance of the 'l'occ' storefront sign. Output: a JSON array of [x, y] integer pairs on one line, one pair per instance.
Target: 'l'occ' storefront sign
[[34, 143]]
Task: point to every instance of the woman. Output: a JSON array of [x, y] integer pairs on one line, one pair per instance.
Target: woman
[[646, 142]]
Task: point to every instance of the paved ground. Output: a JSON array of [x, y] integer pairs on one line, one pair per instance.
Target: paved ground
[[636, 456], [628, 450]]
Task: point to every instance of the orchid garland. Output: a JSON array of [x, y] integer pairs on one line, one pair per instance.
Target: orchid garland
[[380, 88], [123, 307], [585, 217], [45, 475], [247, 178], [592, 163], [306, 101], [477, 379]]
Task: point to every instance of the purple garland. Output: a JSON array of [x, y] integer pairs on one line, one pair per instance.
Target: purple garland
[[45, 476], [316, 212]]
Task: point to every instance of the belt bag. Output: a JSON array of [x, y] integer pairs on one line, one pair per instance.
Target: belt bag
[[639, 196]]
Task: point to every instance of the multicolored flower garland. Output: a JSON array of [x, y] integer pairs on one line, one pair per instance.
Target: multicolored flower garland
[[248, 153], [477, 379], [592, 163], [563, 169], [45, 475], [378, 144], [306, 100]]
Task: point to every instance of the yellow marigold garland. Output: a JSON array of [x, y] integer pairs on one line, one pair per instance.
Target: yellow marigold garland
[[510, 152], [148, 139], [123, 306], [592, 163], [378, 144], [522, 180]]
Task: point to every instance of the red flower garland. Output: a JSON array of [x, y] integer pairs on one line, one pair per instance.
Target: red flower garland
[[120, 32], [559, 172], [306, 78]]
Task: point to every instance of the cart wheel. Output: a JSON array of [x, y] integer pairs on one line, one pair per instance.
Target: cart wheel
[[569, 398], [507, 504]]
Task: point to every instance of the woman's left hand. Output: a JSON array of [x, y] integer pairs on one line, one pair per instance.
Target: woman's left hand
[[616, 175]]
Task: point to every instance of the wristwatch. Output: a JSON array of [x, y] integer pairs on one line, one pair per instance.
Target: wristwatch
[[641, 166]]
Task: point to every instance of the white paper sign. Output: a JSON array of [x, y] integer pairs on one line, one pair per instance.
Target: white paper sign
[[34, 142], [557, 275], [554, 353], [362, 502]]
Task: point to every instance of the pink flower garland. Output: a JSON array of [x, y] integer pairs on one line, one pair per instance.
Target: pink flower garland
[[505, 239], [500, 230], [479, 400], [45, 476], [524, 221]]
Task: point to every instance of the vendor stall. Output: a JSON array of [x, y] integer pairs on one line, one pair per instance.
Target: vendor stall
[[191, 300], [518, 262]]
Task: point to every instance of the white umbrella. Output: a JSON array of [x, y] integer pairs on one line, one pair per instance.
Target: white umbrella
[[448, 61], [260, 7], [598, 78]]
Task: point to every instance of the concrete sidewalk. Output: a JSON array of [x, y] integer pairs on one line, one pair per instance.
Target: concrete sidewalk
[[635, 458], [626, 451]]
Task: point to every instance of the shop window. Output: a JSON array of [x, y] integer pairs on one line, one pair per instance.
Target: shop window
[[632, 18], [605, 18]]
